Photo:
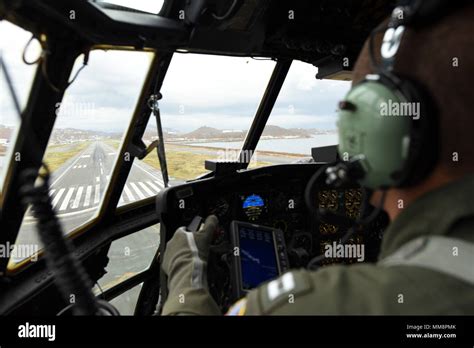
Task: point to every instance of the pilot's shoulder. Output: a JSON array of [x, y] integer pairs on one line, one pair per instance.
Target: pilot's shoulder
[[338, 289]]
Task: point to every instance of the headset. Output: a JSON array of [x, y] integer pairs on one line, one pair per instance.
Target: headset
[[388, 123]]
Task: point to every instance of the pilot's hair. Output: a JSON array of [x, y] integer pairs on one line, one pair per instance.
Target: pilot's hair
[[441, 58]]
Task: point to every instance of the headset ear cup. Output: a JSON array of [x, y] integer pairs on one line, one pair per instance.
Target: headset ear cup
[[370, 135], [410, 141], [424, 146]]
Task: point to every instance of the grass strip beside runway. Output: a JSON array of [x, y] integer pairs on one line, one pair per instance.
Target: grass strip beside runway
[[57, 155]]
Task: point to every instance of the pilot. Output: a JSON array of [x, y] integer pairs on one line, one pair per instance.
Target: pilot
[[426, 262]]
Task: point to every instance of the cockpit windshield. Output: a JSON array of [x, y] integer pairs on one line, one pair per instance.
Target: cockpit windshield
[[16, 78], [83, 147]]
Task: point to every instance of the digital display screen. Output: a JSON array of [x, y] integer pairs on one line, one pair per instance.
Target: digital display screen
[[253, 201], [253, 206], [257, 256]]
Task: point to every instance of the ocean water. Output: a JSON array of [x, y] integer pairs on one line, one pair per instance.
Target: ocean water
[[293, 146]]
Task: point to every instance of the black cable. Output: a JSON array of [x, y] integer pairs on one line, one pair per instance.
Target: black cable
[[44, 70], [43, 61], [70, 276], [227, 14], [23, 55], [105, 308]]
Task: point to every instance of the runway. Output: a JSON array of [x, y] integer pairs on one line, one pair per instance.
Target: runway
[[78, 186]]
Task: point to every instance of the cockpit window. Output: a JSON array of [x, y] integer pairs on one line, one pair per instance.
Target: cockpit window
[[208, 103], [304, 116], [84, 144], [207, 108], [16, 78], [145, 178]]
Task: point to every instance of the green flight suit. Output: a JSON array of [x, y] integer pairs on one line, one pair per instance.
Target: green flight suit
[[377, 289], [365, 288]]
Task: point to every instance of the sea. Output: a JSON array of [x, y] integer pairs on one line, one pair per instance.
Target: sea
[[300, 146]]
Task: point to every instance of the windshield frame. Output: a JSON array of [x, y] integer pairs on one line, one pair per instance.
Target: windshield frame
[[131, 139], [67, 57]]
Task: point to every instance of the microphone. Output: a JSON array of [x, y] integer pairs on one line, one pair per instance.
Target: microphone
[[343, 173]]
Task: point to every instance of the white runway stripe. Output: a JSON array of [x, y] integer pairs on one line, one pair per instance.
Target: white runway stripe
[[97, 194], [87, 199], [153, 186], [137, 191], [57, 197], [51, 192], [121, 200], [66, 199], [146, 189], [75, 204], [128, 193], [160, 183]]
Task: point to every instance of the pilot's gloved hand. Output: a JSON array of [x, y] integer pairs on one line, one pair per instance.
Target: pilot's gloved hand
[[185, 264]]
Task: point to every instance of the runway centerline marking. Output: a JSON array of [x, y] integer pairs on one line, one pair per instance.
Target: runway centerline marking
[[68, 168]]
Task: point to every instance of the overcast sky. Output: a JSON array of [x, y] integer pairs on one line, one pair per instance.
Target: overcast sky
[[199, 90]]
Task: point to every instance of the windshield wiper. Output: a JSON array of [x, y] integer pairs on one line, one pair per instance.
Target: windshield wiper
[[153, 103]]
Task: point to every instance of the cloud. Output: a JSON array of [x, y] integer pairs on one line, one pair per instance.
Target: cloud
[[207, 81], [12, 44], [218, 91]]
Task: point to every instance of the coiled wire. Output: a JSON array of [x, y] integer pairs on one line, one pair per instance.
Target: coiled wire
[[70, 276]]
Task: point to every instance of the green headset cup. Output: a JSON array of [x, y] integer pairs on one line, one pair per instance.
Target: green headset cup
[[371, 131]]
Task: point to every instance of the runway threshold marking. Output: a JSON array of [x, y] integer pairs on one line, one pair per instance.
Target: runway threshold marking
[[66, 199]]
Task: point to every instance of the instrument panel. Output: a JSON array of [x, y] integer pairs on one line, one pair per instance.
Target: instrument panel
[[273, 197]]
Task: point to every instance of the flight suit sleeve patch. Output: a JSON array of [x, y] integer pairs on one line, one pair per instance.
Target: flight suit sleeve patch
[[238, 308], [283, 291]]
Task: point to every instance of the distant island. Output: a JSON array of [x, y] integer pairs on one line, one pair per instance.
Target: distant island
[[210, 134], [199, 135]]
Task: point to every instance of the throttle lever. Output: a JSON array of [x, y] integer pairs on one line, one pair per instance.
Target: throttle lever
[[195, 224]]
